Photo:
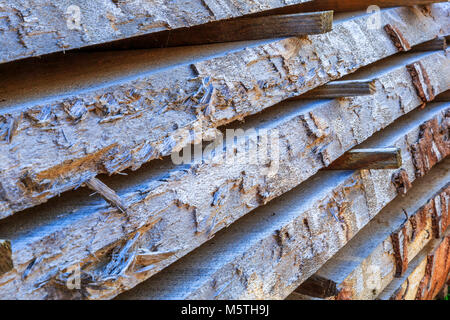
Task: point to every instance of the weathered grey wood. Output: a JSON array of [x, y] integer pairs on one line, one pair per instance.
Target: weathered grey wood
[[339, 89], [282, 244], [107, 193], [70, 132], [316, 286], [364, 159], [371, 260], [39, 32], [179, 209], [38, 27], [6, 263], [241, 29], [425, 276]]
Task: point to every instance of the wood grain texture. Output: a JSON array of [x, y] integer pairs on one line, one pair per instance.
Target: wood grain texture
[[241, 29], [443, 97], [107, 193], [36, 27], [365, 159], [290, 238], [80, 133], [339, 89]]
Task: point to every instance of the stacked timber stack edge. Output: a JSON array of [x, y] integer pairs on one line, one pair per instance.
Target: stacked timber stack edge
[[224, 149]]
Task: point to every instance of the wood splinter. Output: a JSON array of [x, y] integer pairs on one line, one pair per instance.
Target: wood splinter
[[318, 287], [6, 262], [107, 193], [339, 89], [374, 159]]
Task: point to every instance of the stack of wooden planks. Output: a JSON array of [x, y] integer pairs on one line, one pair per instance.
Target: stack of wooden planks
[[224, 150]]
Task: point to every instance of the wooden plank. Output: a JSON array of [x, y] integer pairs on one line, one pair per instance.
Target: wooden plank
[[443, 97], [339, 89], [397, 37], [107, 193], [83, 128], [6, 263], [442, 295], [241, 29], [364, 159], [61, 26], [182, 207], [286, 241]]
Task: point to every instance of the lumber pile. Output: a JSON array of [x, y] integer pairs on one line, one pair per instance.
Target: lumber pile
[[224, 150]]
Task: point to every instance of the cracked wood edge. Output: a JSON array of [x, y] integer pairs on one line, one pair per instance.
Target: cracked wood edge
[[364, 159], [186, 217], [106, 192], [6, 263], [438, 262], [299, 296], [283, 258], [393, 253], [400, 75], [397, 38], [426, 275], [64, 135], [53, 26]]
